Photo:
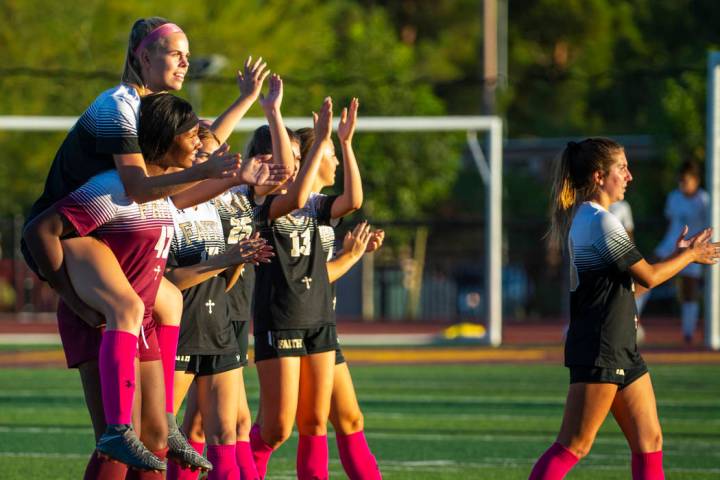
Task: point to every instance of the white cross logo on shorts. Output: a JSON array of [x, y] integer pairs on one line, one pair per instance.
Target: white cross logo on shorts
[[210, 304], [307, 281], [157, 271]]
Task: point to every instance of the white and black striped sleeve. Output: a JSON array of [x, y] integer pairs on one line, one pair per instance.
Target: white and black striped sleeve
[[614, 245], [116, 122]]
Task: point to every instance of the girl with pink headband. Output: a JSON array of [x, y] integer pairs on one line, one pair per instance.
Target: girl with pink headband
[[105, 137]]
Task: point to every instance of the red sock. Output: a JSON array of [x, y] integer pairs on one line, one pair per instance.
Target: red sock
[[312, 457], [554, 464], [647, 466], [168, 339], [117, 375], [246, 464], [261, 451], [100, 469], [356, 457], [224, 465], [146, 474], [176, 472]]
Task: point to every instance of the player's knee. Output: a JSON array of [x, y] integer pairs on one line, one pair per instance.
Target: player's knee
[[349, 423], [224, 435], [126, 313], [579, 445], [652, 442], [311, 426], [168, 306], [244, 423], [195, 432], [155, 436], [275, 435]]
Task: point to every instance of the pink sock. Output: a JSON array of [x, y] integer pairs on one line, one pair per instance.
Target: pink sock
[[168, 339], [312, 457], [356, 458], [246, 464], [554, 464], [647, 466], [117, 375], [261, 451], [100, 469], [224, 465], [176, 472]]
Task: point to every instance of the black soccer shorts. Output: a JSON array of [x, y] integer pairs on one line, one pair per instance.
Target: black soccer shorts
[[295, 343]]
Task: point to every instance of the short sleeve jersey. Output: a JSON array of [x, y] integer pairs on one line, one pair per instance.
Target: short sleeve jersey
[[681, 210], [603, 316], [293, 291], [236, 214], [138, 234], [107, 127], [327, 239], [206, 328], [623, 213]]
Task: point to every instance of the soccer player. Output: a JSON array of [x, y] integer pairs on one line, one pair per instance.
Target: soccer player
[[105, 138], [295, 338], [607, 373], [139, 236], [345, 415], [686, 206]]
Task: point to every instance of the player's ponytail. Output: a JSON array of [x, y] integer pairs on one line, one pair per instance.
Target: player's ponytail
[[573, 181]]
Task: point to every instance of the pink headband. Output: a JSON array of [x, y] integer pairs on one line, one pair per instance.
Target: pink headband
[[161, 31]]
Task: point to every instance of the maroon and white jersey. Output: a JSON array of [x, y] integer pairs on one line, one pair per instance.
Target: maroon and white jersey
[[138, 234]]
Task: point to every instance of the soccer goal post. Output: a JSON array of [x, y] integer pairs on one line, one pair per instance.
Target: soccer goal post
[[489, 164], [712, 183]]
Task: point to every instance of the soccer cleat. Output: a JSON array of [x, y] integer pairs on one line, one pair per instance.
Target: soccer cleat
[[180, 451], [120, 443]]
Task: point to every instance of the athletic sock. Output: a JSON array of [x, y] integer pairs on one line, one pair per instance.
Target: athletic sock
[[117, 375], [168, 339], [647, 466], [356, 458], [245, 462], [312, 457], [176, 472], [261, 451], [554, 464], [224, 464], [689, 313], [101, 469], [148, 474]]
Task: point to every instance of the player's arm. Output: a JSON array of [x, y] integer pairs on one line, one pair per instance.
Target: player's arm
[[251, 250], [42, 237], [697, 249], [281, 147], [300, 189], [352, 197], [355, 244], [143, 188]]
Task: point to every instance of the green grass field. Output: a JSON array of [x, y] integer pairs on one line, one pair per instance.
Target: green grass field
[[439, 422]]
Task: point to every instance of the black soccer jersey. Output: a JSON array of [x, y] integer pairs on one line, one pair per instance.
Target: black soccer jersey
[[206, 328], [236, 214], [293, 290], [603, 317], [107, 127]]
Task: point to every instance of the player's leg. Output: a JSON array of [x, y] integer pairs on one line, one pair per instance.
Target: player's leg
[[243, 450], [635, 411], [347, 420], [316, 383], [218, 396], [279, 383], [184, 386], [586, 408], [689, 305]]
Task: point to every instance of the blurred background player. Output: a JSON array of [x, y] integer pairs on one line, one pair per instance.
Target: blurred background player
[[686, 206]]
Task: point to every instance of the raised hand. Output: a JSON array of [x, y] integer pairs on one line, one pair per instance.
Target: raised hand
[[222, 163], [250, 250], [376, 240], [356, 241], [261, 171], [250, 79], [322, 122], [348, 120], [273, 99]]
